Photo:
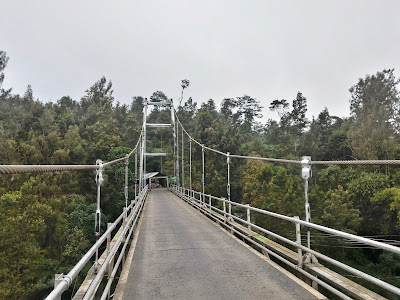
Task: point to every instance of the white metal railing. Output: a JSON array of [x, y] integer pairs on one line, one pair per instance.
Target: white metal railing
[[129, 220], [202, 201]]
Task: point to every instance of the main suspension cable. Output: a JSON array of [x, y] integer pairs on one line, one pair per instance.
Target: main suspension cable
[[291, 161]]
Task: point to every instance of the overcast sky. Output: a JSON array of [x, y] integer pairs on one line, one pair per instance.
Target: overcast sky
[[266, 49]]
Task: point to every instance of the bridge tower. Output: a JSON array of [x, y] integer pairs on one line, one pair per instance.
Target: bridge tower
[[143, 154]]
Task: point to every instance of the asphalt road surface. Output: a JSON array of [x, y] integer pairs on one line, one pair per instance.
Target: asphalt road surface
[[180, 254]]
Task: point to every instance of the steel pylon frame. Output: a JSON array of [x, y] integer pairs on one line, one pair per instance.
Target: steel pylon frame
[[143, 142]]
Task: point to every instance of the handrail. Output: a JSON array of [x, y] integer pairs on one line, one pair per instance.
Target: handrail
[[66, 281], [182, 193], [332, 231], [93, 286]]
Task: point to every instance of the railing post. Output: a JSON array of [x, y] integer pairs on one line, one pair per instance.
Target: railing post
[[135, 173], [183, 166], [177, 154], [190, 163], [124, 224], [109, 268], [306, 174], [174, 137], [209, 201], [97, 222], [144, 145], [298, 241], [228, 186], [141, 161], [126, 179], [57, 279], [223, 200], [202, 155], [125, 220], [248, 219]]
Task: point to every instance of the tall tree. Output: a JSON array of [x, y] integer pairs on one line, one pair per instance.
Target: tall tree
[[184, 84], [374, 105], [298, 114], [3, 63], [280, 106]]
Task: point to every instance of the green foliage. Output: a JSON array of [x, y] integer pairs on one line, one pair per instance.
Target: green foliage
[[339, 212], [47, 220], [374, 105]]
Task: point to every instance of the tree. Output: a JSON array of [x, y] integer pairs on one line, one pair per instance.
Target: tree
[[374, 107], [298, 114], [339, 212], [158, 96], [99, 94], [362, 192], [3, 63], [184, 85], [280, 106]]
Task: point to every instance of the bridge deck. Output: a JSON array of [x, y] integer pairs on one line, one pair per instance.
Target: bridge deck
[[180, 254]]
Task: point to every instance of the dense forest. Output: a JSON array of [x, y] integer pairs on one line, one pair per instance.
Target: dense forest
[[47, 220]]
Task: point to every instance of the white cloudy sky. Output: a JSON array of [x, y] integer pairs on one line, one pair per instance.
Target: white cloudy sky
[[266, 49]]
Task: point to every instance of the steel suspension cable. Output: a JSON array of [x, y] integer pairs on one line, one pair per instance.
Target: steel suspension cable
[[18, 169], [356, 162], [291, 161]]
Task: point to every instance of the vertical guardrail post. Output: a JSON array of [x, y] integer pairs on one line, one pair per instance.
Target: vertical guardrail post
[[202, 155], [141, 165], [135, 174], [125, 223], [228, 186], [97, 222], [177, 155], [144, 146], [109, 267], [190, 164], [224, 203], [248, 219], [209, 201], [298, 241], [183, 165], [306, 174], [174, 138], [126, 179], [57, 279]]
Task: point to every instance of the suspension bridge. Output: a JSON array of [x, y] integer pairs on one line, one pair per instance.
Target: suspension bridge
[[179, 243]]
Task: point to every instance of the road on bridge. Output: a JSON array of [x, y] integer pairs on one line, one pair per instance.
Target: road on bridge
[[181, 254]]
